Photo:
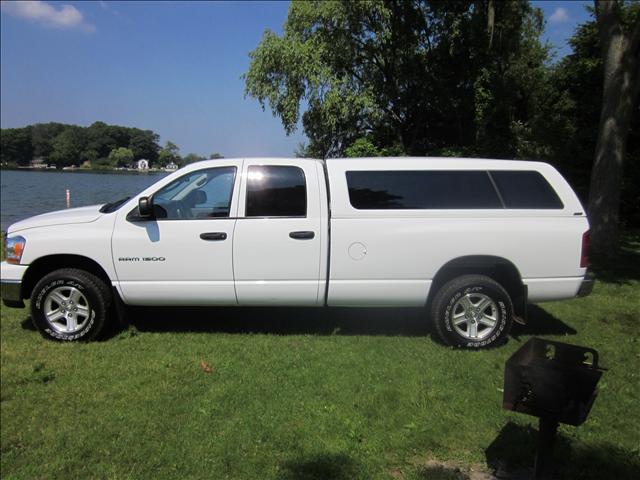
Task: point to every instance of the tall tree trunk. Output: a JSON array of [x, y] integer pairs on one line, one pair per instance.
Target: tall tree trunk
[[491, 21], [620, 56]]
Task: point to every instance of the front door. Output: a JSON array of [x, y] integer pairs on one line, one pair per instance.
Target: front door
[[184, 255], [277, 239]]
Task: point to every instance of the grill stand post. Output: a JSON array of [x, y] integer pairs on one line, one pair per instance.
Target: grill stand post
[[547, 430]]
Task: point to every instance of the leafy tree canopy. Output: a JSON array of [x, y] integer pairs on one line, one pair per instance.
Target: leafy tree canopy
[[421, 75], [571, 113], [61, 145], [15, 146], [191, 158], [144, 144], [67, 147], [121, 157], [169, 154]]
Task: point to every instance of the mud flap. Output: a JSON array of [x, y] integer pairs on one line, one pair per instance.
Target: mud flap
[[520, 306]]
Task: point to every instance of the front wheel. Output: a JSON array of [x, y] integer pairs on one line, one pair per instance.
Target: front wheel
[[70, 305], [472, 311]]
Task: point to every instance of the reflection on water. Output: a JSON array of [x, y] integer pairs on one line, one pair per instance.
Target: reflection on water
[[28, 193]]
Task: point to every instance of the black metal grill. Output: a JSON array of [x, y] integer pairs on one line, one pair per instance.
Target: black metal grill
[[555, 382]]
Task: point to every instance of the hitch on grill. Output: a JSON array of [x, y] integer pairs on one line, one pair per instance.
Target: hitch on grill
[[555, 382]]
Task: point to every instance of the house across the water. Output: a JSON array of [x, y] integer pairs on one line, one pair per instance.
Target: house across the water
[[142, 164]]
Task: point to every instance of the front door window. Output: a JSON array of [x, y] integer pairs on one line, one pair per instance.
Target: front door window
[[201, 194]]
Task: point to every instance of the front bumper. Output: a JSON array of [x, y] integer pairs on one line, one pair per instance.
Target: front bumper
[[586, 287], [11, 284]]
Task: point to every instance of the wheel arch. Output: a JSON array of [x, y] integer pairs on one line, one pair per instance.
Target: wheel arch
[[47, 264], [497, 268]]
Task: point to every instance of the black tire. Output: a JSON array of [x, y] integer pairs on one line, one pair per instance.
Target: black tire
[[84, 292], [454, 323]]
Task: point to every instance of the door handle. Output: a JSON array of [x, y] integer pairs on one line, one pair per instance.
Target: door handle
[[213, 236], [304, 235]]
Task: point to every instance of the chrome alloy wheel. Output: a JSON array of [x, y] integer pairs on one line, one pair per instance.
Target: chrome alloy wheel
[[474, 316], [66, 309]]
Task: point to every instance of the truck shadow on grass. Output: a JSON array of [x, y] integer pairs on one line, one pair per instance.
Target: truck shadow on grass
[[284, 321], [409, 322], [512, 455], [412, 322]]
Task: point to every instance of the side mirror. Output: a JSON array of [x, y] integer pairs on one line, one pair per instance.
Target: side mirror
[[145, 207]]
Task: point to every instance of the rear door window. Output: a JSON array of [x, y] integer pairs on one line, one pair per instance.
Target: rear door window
[[276, 191]]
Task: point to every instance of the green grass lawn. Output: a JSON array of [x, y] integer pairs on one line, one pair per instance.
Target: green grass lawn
[[308, 394]]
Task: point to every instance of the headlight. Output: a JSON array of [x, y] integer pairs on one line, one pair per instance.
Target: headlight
[[14, 247]]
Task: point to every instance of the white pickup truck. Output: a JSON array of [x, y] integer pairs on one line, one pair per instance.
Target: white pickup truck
[[471, 240]]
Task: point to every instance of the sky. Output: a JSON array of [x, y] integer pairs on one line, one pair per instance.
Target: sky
[[172, 67]]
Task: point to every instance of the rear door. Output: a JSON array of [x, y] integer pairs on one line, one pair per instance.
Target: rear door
[[277, 238]]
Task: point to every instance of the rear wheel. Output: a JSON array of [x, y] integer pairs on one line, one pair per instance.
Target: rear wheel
[[70, 305], [472, 311]]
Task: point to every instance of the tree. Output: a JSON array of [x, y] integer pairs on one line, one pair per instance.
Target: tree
[[121, 136], [170, 153], [215, 155], [63, 144], [571, 121], [42, 135], [15, 146], [570, 112], [191, 158], [364, 147], [99, 142], [68, 146], [121, 157], [415, 74], [619, 30], [144, 144]]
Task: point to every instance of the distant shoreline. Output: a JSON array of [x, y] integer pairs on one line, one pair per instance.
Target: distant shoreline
[[87, 170]]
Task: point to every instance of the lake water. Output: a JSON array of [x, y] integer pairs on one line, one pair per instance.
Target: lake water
[[27, 193]]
